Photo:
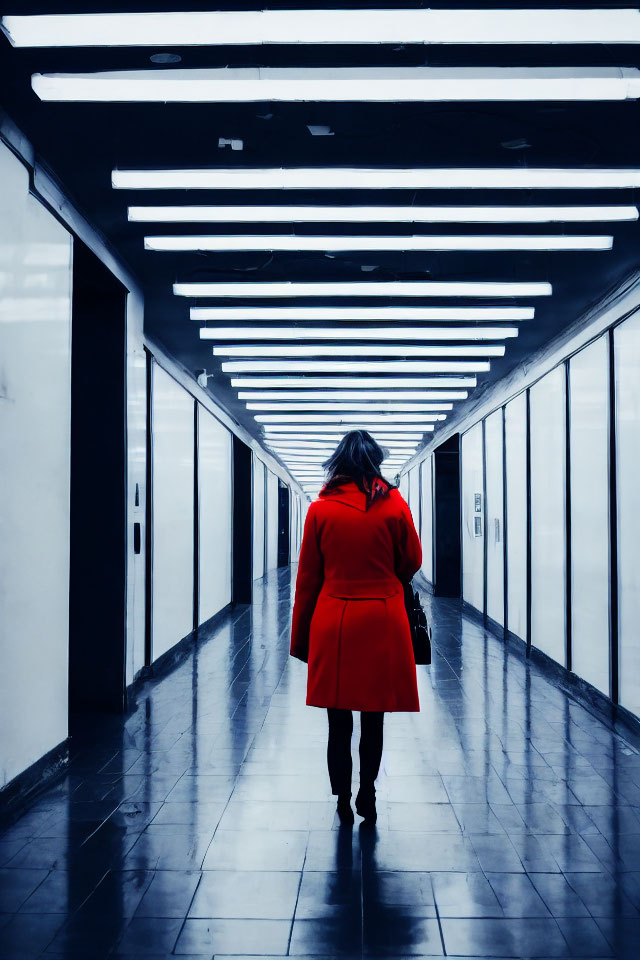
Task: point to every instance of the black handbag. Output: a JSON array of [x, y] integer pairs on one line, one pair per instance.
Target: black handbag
[[420, 630]]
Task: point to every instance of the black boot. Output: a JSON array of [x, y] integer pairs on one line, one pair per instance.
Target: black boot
[[344, 808], [366, 804]]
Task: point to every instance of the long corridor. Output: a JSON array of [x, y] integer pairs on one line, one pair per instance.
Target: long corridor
[[201, 824]]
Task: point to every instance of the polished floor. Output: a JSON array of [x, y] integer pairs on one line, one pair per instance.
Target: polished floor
[[202, 823]]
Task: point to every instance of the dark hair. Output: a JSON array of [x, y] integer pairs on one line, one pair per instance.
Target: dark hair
[[357, 457]]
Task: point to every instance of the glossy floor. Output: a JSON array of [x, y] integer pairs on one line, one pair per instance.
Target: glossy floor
[[202, 823]]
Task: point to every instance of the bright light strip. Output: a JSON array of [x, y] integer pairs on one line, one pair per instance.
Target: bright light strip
[[294, 243], [351, 383], [320, 26], [341, 84], [380, 288], [345, 314], [310, 446], [382, 214], [380, 434], [382, 428], [354, 366], [389, 406], [357, 333], [378, 178], [354, 350], [312, 396], [348, 418]]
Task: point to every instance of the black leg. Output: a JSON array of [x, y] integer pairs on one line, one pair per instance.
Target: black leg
[[339, 750], [371, 725]]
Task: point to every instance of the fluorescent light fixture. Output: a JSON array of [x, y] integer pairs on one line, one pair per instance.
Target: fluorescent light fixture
[[323, 448], [354, 350], [341, 84], [380, 434], [355, 366], [322, 26], [382, 214], [378, 418], [380, 288], [382, 428], [313, 396], [378, 178], [424, 334], [294, 243], [390, 406], [345, 314], [353, 382]]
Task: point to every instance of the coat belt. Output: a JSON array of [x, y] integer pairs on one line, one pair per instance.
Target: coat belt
[[362, 589]]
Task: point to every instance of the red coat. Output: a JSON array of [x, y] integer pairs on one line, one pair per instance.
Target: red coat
[[349, 619]]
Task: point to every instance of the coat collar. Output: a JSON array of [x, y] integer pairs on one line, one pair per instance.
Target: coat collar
[[350, 494]]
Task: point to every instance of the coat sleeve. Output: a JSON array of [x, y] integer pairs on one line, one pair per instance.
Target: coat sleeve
[[308, 585], [409, 548]]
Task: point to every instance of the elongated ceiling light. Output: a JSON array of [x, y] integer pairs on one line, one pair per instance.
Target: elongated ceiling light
[[320, 26], [297, 243], [424, 334], [378, 418], [313, 396], [318, 428], [381, 288], [353, 382], [382, 435], [355, 366], [382, 214], [354, 350], [327, 444], [344, 314], [341, 84], [379, 178], [390, 405]]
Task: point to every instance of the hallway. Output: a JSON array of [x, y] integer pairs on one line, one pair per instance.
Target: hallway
[[201, 823]]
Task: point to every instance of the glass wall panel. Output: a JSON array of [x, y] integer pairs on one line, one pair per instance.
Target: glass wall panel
[[35, 438], [426, 513], [627, 398], [414, 495], [173, 472], [215, 514], [403, 486], [472, 518], [494, 514], [258, 518], [548, 522], [272, 521], [516, 495], [589, 475]]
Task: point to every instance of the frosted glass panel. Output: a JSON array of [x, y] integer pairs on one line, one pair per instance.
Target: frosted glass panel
[[414, 495], [258, 518], [472, 518], [516, 494], [589, 437], [215, 514], [494, 517], [272, 521], [426, 534], [627, 385], [403, 486], [35, 434], [172, 512], [547, 432]]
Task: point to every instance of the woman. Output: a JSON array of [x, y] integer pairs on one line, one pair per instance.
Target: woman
[[349, 618]]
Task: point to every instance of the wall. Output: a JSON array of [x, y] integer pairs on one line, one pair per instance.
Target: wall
[[271, 525], [472, 493], [215, 514], [426, 515], [173, 503], [35, 412], [570, 553], [258, 517]]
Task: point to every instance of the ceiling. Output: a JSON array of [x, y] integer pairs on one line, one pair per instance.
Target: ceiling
[[83, 142]]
